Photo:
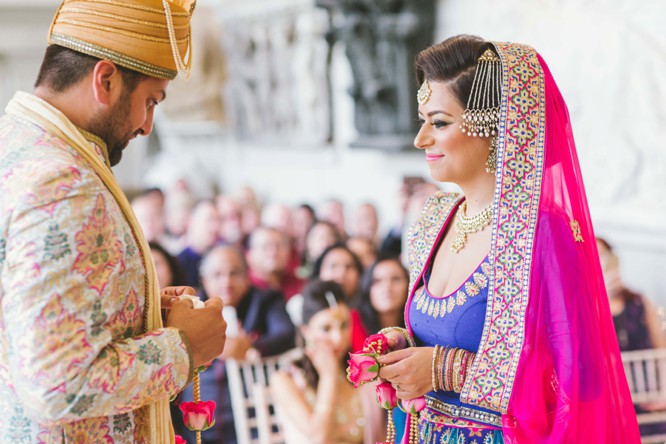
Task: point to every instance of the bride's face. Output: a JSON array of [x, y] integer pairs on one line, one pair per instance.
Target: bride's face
[[452, 156]]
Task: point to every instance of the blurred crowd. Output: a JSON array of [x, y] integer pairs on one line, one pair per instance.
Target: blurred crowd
[[272, 263], [265, 262]]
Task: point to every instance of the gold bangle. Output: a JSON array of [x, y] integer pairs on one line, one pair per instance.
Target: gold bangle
[[402, 331], [457, 361], [435, 352]]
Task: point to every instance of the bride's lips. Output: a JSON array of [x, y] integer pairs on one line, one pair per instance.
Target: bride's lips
[[433, 157]]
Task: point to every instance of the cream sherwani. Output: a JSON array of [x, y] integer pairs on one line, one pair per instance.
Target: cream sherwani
[[76, 365]]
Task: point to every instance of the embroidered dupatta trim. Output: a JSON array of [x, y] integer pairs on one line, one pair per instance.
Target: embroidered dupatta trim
[[424, 234], [515, 212]]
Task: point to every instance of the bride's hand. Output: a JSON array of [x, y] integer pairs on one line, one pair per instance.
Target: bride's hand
[[409, 370]]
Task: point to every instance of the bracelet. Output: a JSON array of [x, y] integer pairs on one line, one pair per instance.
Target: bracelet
[[448, 369], [442, 368], [403, 332], [457, 364], [438, 367], [435, 382]]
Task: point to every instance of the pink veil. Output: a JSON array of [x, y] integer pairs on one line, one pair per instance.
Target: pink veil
[[549, 359]]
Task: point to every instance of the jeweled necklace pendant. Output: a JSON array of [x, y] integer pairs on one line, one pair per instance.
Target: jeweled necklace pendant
[[467, 225]]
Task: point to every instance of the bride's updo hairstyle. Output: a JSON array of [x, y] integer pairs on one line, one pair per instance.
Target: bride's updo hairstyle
[[453, 61]]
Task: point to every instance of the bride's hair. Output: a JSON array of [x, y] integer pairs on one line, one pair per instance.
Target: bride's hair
[[454, 60]]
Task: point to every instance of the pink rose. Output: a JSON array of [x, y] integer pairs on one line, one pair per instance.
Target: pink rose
[[413, 406], [376, 344], [362, 368], [198, 416], [386, 396], [180, 440]]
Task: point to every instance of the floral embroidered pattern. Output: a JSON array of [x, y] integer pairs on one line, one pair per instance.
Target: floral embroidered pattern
[[440, 307], [56, 245], [122, 423], [19, 426], [56, 325], [426, 231], [517, 195], [81, 277], [94, 430], [99, 248], [149, 353], [114, 363]]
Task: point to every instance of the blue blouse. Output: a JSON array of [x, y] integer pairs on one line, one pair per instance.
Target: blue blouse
[[455, 320]]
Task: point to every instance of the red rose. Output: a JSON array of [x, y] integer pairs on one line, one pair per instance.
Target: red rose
[[362, 368], [413, 406], [386, 396], [198, 416], [376, 344], [180, 440]]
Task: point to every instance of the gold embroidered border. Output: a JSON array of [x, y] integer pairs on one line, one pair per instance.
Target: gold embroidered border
[[462, 412], [108, 54], [517, 195]]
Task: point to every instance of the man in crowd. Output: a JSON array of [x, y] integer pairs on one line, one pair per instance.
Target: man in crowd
[[269, 256], [262, 328], [84, 356]]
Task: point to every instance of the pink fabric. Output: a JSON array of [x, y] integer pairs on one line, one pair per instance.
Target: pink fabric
[[570, 386]]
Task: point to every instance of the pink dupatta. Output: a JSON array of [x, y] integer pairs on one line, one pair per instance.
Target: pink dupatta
[[549, 361]]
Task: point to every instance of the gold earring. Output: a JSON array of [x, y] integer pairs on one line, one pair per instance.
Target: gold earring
[[491, 162]]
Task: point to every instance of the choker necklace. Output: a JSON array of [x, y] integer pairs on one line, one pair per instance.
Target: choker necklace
[[467, 225]]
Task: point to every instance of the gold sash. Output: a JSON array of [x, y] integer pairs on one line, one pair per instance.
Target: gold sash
[[34, 109]]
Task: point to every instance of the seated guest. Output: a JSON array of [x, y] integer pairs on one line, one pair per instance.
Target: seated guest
[[302, 219], [340, 265], [636, 321], [269, 254], [178, 206], [364, 249], [148, 208], [333, 211], [202, 234], [366, 222], [263, 329], [167, 267], [319, 237], [384, 289], [231, 213], [314, 401]]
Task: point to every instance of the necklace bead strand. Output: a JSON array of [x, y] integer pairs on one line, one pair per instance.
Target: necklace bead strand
[[467, 225]]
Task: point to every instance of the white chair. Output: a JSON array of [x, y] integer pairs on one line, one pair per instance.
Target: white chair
[[254, 415], [646, 375]]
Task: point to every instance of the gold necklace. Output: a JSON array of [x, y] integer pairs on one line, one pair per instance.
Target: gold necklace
[[467, 225]]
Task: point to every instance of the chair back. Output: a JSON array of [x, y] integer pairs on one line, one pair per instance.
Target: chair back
[[646, 375], [254, 414]]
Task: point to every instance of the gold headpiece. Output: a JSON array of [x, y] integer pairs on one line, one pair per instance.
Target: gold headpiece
[[148, 36], [481, 118], [423, 94]]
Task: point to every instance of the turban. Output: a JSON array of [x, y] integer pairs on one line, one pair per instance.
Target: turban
[[148, 36]]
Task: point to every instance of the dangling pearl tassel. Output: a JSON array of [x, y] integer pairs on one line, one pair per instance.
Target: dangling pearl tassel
[[414, 429]]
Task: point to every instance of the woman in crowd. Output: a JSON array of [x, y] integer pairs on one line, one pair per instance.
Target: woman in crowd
[[384, 289], [167, 267], [507, 309], [320, 236], [637, 323], [338, 264], [314, 401]]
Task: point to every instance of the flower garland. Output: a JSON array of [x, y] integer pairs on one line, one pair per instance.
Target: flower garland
[[363, 367], [197, 415]]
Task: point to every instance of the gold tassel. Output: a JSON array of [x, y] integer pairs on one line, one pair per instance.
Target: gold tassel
[[197, 397]]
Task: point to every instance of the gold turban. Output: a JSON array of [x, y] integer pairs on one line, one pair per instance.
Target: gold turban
[[149, 36]]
